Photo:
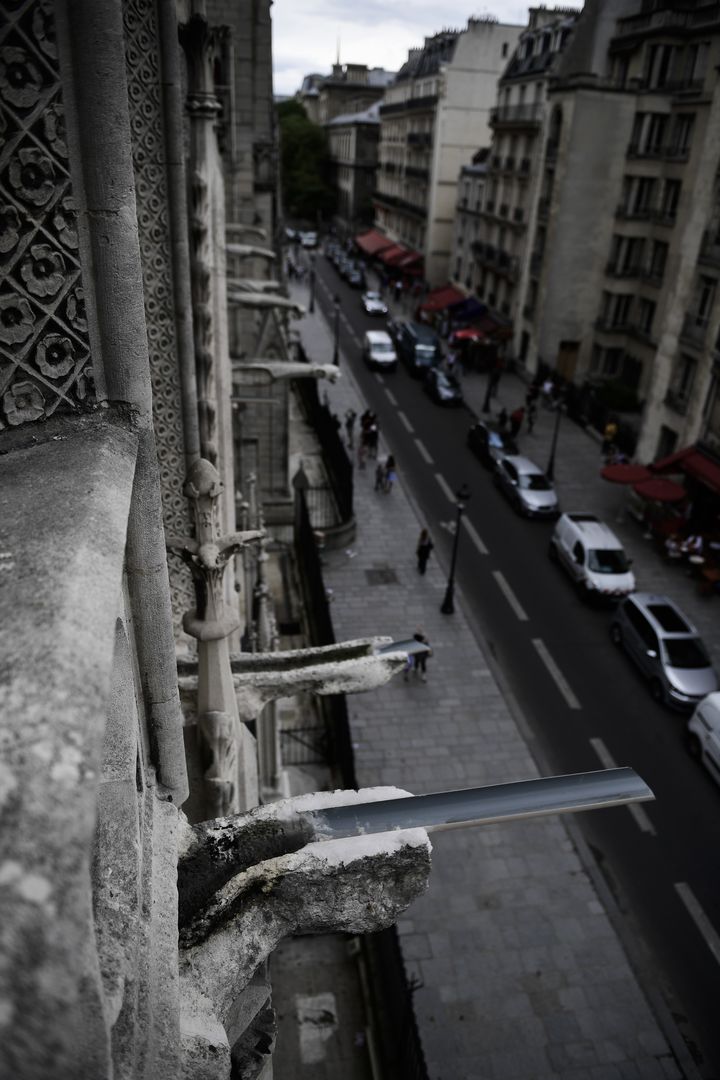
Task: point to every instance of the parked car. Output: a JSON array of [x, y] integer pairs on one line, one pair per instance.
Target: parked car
[[418, 346], [526, 486], [703, 734], [489, 443], [666, 647], [309, 239], [356, 278], [593, 557], [442, 388], [379, 351], [373, 303]]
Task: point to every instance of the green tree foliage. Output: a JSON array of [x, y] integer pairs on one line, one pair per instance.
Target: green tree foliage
[[305, 167]]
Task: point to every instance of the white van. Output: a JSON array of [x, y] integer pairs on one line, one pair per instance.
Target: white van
[[704, 734], [592, 555], [379, 351]]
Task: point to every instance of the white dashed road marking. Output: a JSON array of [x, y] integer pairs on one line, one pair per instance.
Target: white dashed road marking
[[424, 454], [390, 396], [510, 596], [405, 422], [475, 537], [556, 674], [698, 916], [639, 813], [445, 486]]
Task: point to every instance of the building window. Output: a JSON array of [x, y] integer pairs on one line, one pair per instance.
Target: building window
[[670, 198], [504, 49], [658, 259], [661, 60], [646, 314], [667, 442], [683, 377], [682, 134]]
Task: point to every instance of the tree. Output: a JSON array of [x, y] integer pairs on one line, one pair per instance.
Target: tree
[[305, 166]]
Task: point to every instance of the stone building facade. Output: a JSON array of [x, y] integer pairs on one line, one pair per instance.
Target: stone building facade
[[433, 119], [350, 88], [118, 488], [353, 140]]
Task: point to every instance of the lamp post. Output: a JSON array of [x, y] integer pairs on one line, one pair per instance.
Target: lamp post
[[447, 607], [311, 304], [336, 345], [550, 471]]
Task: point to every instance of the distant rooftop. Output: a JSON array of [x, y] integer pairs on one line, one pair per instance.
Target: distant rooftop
[[367, 116]]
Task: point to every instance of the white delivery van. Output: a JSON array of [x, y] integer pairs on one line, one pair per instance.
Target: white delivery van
[[379, 351], [593, 556], [704, 734]]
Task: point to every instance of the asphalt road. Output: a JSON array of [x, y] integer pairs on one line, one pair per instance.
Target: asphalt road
[[583, 703]]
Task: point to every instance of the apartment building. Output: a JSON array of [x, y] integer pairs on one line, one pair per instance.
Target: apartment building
[[470, 194], [433, 119], [349, 88], [353, 140], [492, 249]]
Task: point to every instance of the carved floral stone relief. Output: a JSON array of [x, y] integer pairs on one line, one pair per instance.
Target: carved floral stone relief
[[45, 361]]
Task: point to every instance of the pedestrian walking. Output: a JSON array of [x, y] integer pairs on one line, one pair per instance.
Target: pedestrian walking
[[516, 418], [531, 416], [502, 418], [361, 455], [390, 474], [424, 547], [372, 439], [451, 361], [350, 418], [398, 287], [418, 662], [608, 442], [379, 477]]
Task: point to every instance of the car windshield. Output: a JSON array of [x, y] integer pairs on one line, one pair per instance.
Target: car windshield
[[372, 296], [382, 346], [426, 350], [534, 482], [685, 653], [608, 561]]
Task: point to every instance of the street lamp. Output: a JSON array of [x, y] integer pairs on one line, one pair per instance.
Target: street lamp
[[447, 607], [550, 471], [311, 304], [336, 345]]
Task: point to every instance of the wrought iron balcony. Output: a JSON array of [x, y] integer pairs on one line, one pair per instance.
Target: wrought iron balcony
[[516, 116]]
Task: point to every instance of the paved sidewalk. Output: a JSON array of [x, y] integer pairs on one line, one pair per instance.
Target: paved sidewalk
[[520, 972]]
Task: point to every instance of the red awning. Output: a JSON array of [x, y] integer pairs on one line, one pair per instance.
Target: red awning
[[392, 255], [625, 473], [692, 462], [372, 242], [660, 489], [442, 298], [409, 259]]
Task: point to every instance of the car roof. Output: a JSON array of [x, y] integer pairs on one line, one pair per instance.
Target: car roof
[[664, 614], [596, 534], [522, 464]]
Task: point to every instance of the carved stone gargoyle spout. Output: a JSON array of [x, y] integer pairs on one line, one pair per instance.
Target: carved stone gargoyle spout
[[264, 301], [287, 369], [248, 881]]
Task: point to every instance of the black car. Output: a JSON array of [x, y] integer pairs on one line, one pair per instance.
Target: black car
[[443, 388], [418, 346], [489, 443], [356, 278]]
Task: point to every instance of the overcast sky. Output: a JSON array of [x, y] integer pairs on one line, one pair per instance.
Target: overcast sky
[[373, 32]]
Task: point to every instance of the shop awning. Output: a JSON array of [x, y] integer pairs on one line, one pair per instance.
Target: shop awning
[[392, 254], [372, 242], [692, 461], [409, 259], [468, 309], [440, 299]]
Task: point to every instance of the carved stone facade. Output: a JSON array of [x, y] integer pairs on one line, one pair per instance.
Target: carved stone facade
[[45, 362]]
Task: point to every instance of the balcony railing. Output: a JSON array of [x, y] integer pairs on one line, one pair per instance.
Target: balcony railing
[[634, 213], [627, 271], [417, 171], [419, 139], [516, 115]]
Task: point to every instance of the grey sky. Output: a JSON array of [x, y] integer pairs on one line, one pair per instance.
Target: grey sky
[[373, 32]]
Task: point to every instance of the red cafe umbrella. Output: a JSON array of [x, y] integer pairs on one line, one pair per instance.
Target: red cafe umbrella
[[468, 334], [660, 489], [625, 473]]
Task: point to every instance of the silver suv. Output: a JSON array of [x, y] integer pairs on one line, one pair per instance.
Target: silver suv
[[666, 648]]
